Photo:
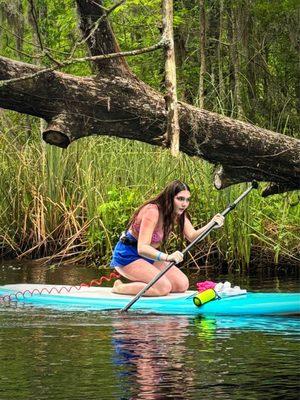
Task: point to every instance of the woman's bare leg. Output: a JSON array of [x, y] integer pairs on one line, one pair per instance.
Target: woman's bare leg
[[140, 272], [178, 279]]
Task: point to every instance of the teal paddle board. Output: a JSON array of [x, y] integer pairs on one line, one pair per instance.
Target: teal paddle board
[[102, 298]]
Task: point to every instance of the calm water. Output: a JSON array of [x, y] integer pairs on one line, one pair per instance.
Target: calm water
[[47, 354]]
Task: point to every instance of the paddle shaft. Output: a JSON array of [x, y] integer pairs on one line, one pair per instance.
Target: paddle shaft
[[202, 235]]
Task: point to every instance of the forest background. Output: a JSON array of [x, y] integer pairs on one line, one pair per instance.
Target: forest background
[[237, 58]]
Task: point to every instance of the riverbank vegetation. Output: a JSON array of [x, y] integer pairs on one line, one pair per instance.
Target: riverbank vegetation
[[72, 204]]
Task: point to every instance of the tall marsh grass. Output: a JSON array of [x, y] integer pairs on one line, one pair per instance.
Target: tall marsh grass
[[72, 204]]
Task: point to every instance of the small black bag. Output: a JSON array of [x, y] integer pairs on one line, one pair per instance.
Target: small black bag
[[127, 240]]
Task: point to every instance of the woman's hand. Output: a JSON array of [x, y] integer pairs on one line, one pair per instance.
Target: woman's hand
[[177, 257], [219, 220]]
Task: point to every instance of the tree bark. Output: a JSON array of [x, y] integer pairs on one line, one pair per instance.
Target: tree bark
[[172, 132], [235, 50], [116, 103], [202, 44], [221, 90], [101, 40]]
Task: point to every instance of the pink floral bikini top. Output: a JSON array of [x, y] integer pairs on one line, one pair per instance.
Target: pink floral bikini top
[[157, 236]]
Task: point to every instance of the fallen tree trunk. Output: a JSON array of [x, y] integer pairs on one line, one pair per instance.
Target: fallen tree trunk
[[76, 107]]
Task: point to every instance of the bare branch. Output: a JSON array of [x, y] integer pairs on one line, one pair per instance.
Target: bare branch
[[62, 64], [32, 44]]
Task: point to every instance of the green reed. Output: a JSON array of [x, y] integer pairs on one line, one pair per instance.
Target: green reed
[[73, 203]]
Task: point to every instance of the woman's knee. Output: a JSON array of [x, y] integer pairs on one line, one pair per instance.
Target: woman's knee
[[163, 287], [179, 281], [181, 285]]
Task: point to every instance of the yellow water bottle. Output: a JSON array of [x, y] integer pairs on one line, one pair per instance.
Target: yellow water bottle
[[204, 297]]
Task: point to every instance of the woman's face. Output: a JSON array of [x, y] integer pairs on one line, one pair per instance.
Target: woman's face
[[181, 201]]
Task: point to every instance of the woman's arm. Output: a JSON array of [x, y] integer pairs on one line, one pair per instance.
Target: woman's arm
[[191, 233], [149, 221]]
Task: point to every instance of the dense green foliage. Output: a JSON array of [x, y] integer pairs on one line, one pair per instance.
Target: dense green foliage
[[76, 201], [256, 38]]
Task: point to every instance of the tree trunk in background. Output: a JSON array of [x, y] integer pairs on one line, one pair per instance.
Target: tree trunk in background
[[34, 17], [211, 53], [221, 84], [235, 46], [263, 61], [181, 37], [13, 13], [19, 26], [202, 45], [172, 132], [250, 58], [230, 76], [1, 23]]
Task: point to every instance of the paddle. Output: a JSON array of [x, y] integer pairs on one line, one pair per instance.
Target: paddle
[[202, 235]]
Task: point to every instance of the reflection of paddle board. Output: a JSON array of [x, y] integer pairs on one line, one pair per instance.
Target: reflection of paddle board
[[208, 326], [100, 298]]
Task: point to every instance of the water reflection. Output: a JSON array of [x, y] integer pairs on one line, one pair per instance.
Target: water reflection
[[159, 357], [35, 272], [150, 354], [209, 328], [49, 355]]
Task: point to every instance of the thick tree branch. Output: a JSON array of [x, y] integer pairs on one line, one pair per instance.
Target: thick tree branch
[[96, 26], [102, 39], [275, 188]]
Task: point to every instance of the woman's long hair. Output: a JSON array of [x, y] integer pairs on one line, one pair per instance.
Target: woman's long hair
[[165, 202]]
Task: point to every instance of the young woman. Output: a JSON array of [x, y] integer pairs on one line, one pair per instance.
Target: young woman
[[137, 256]]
